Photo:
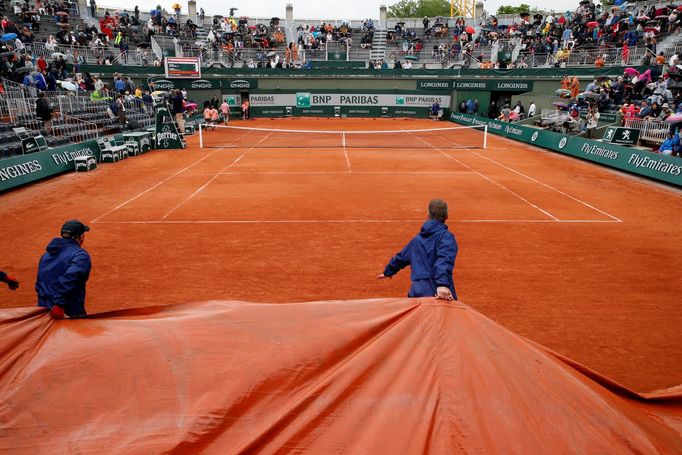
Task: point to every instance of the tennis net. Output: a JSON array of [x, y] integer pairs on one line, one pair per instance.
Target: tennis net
[[447, 138]]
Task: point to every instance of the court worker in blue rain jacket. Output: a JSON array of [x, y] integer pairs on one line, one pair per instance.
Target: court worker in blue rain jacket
[[63, 272], [431, 255]]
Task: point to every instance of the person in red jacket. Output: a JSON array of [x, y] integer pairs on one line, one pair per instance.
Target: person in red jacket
[[12, 282]]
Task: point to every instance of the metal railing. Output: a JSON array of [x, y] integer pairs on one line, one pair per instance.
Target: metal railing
[[650, 130], [64, 126]]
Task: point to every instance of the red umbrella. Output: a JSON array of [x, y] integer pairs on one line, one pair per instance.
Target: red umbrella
[[470, 30], [653, 30], [631, 71], [61, 13], [593, 24], [679, 8]]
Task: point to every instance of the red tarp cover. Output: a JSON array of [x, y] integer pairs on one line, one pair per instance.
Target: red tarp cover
[[384, 376]]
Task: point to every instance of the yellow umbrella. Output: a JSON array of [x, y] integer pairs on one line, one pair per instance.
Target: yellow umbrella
[[176, 6]]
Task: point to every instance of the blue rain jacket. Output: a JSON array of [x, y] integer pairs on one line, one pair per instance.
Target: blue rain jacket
[[62, 274], [431, 255]]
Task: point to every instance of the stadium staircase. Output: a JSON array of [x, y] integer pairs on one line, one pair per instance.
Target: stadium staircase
[[378, 51]]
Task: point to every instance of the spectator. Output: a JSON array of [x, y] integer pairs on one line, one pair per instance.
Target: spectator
[[44, 112], [63, 272], [178, 110], [121, 109], [531, 109], [666, 147], [592, 120]]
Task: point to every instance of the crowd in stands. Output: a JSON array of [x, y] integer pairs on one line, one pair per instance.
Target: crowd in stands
[[651, 98]]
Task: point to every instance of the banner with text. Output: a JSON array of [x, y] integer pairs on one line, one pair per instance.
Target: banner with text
[[306, 99], [23, 169], [654, 165]]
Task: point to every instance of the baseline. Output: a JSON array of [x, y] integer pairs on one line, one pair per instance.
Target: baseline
[[343, 221]]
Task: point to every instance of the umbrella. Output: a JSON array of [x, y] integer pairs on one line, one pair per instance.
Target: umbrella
[[57, 55], [124, 14], [23, 69], [68, 85], [653, 30], [155, 12], [560, 105], [631, 71], [275, 19], [643, 18], [470, 30], [252, 27], [401, 23], [272, 54], [593, 24], [61, 13], [410, 57], [176, 6], [524, 14], [662, 16], [679, 8], [191, 105], [6, 54], [143, 45], [674, 118], [8, 37]]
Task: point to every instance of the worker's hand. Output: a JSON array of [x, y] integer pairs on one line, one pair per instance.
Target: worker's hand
[[443, 293], [11, 282], [383, 277], [57, 312]]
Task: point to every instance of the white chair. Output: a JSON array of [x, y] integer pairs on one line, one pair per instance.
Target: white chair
[[111, 152]]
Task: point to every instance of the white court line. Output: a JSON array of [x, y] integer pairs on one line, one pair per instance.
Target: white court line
[[343, 172], [158, 184], [341, 221], [155, 186], [490, 180], [345, 152], [201, 188], [550, 187]]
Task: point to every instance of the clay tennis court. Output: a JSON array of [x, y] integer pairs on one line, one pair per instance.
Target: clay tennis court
[[579, 258]]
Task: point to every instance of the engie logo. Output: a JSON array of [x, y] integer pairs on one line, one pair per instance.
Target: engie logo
[[201, 83], [534, 137], [562, 142], [164, 84], [240, 83]]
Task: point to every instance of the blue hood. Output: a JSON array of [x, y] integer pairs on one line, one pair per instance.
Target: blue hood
[[432, 227]]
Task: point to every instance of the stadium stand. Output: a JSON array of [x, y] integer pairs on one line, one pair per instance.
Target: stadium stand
[[44, 46]]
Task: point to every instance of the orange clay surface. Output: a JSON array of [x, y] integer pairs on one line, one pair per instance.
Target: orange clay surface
[[583, 260]]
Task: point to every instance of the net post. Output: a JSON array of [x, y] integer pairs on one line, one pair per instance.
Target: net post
[[485, 136], [201, 137]]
